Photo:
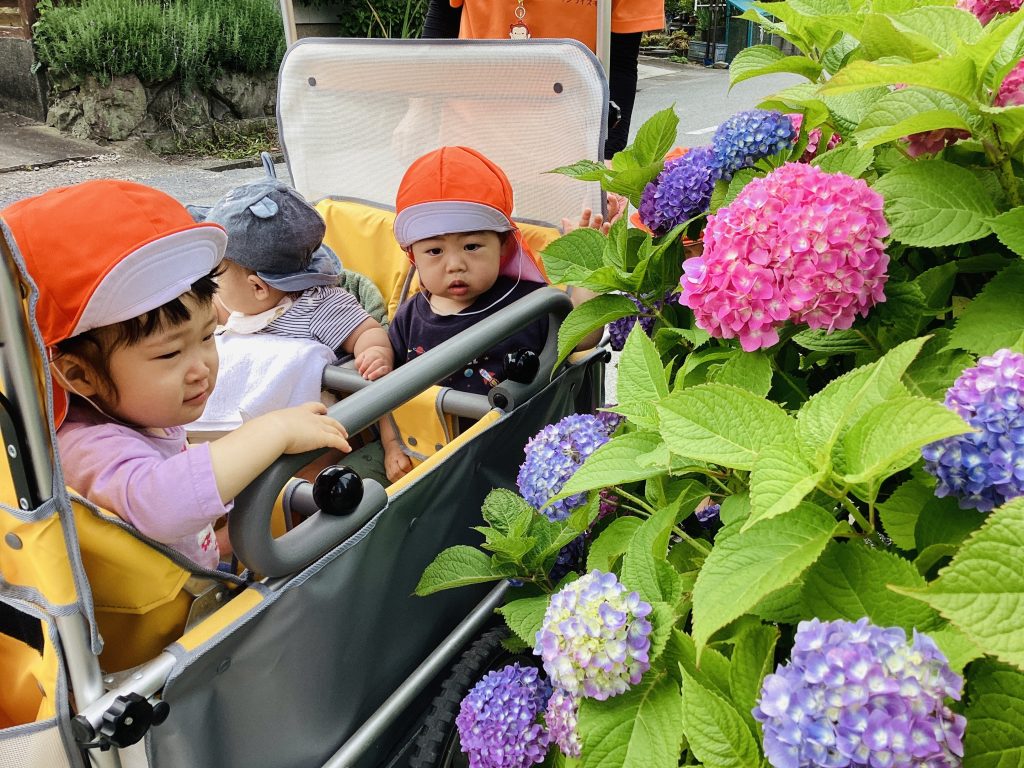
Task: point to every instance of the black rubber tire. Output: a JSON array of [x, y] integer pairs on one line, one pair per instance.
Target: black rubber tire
[[437, 743]]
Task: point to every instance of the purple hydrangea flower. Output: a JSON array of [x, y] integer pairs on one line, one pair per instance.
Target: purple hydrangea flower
[[746, 137], [498, 720], [707, 513], [854, 694], [552, 456], [610, 419], [984, 468], [608, 505], [681, 191], [570, 558], [563, 710], [618, 330], [595, 637]]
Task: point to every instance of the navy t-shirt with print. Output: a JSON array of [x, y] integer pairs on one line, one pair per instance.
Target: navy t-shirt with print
[[416, 328]]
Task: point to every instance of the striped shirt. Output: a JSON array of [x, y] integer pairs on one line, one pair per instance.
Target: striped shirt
[[326, 313]]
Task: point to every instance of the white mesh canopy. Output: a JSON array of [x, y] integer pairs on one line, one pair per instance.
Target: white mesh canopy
[[353, 114]]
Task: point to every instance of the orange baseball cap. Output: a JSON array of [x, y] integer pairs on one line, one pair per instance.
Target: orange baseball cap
[[106, 251], [457, 189]]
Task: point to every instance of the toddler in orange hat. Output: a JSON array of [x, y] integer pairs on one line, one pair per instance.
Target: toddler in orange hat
[[126, 284], [454, 219]]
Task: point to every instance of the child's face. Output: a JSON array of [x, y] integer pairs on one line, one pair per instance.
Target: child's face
[[165, 379], [457, 268], [241, 291]]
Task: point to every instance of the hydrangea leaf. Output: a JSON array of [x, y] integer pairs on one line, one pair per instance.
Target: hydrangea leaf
[[1009, 228], [457, 567], [846, 158], [641, 728], [835, 343], [957, 76], [684, 491], [899, 512], [767, 59], [506, 549], [957, 647], [850, 581], [911, 110], [589, 316], [995, 318], [584, 170], [751, 371], [780, 480], [721, 424], [784, 606], [641, 373], [943, 522], [889, 437], [943, 29], [931, 203], [655, 137], [616, 462], [848, 109], [995, 736], [507, 512], [753, 657], [681, 656], [525, 616], [746, 566], [829, 414], [735, 508], [612, 543], [574, 256], [880, 37], [644, 568], [932, 374], [982, 591], [988, 47], [717, 733]]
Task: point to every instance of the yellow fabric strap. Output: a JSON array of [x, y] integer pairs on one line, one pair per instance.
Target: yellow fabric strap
[[422, 427]]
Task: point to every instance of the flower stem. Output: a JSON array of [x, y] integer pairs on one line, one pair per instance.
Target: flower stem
[[856, 514], [638, 501], [1000, 157]]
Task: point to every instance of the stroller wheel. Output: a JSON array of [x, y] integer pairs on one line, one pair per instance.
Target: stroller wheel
[[437, 743]]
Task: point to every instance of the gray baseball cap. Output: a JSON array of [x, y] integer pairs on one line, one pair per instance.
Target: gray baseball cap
[[273, 231]]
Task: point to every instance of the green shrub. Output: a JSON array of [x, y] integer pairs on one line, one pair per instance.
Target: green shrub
[[157, 41], [382, 18]]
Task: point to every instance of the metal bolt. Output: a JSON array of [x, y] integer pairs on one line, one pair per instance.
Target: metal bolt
[[12, 451], [12, 541], [23, 503]]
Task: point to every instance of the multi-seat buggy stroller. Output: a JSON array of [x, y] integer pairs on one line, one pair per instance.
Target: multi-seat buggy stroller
[[118, 651]]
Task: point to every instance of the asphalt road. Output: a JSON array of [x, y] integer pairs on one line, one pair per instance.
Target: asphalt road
[[701, 97]]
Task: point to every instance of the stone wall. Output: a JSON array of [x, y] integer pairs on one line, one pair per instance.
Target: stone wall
[[21, 89], [125, 107]]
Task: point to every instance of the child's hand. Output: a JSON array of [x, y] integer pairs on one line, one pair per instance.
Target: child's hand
[[396, 463], [374, 362], [307, 427], [591, 220]]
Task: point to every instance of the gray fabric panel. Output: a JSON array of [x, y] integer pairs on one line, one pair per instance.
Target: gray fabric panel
[[292, 685]]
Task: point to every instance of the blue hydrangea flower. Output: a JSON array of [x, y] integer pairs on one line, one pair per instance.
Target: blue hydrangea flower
[[681, 191], [610, 419], [552, 456], [707, 513], [984, 468], [595, 637], [561, 717], [746, 137], [854, 694], [498, 720]]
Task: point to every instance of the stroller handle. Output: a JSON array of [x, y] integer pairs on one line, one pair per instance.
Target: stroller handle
[[249, 522]]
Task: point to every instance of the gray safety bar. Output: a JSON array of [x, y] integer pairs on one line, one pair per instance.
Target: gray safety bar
[[249, 525]]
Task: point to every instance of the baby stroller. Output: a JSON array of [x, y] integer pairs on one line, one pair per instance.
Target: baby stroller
[[115, 650]]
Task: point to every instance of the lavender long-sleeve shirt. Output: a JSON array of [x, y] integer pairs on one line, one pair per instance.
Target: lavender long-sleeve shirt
[[166, 491]]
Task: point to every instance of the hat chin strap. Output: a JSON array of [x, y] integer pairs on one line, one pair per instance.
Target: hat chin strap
[[67, 385], [505, 295]]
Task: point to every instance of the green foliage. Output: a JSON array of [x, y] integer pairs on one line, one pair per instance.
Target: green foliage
[[158, 41], [813, 446]]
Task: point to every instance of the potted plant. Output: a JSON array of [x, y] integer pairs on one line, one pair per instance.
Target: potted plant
[[795, 540]]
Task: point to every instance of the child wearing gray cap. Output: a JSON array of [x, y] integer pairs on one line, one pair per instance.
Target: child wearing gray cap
[[279, 278]]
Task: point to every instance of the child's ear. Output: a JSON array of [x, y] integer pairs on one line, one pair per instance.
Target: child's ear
[[74, 375], [260, 289]]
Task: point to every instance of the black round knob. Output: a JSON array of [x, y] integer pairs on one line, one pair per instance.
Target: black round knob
[[522, 365], [161, 710], [126, 720], [338, 490]]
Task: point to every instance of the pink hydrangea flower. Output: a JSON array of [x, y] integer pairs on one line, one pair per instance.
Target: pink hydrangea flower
[[813, 138], [1011, 92], [799, 244], [986, 10]]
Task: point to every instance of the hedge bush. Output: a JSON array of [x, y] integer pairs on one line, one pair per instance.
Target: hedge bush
[[157, 41]]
